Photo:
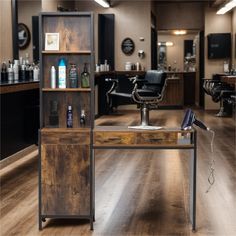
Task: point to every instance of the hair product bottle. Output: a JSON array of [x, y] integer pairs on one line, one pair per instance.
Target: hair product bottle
[[85, 77], [53, 77], [69, 117], [73, 76], [62, 73]]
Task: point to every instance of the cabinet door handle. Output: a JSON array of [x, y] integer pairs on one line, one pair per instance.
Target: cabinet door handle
[[155, 139]]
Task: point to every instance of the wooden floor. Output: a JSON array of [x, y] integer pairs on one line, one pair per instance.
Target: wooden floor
[[138, 192]]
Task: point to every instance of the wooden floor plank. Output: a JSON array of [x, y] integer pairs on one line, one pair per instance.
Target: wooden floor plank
[[143, 192]]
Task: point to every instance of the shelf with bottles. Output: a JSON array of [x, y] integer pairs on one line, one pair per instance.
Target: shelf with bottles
[[75, 70], [56, 107]]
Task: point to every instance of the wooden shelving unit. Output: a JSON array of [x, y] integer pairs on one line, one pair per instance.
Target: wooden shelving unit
[[66, 166]]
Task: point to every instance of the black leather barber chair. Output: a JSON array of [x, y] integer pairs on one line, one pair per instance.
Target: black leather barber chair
[[220, 92], [147, 92]]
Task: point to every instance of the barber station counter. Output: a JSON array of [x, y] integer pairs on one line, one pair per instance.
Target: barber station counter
[[19, 116], [180, 88]]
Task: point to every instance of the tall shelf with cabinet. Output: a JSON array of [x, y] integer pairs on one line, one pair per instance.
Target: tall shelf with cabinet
[[66, 165]]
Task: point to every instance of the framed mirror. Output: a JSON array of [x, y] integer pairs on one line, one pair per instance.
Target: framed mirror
[[127, 46], [23, 36]]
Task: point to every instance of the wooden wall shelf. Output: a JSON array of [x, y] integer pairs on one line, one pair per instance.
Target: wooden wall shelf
[[67, 52]]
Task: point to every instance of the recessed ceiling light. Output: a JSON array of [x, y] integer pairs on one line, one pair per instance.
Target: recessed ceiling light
[[180, 32]]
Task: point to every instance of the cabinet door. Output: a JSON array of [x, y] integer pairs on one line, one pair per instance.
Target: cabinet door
[[65, 175]]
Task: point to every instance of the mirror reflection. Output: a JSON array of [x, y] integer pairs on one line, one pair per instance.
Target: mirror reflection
[[177, 52]]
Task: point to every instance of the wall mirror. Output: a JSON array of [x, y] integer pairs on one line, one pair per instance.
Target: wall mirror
[[23, 36], [127, 46]]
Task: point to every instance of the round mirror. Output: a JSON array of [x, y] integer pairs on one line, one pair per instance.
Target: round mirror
[[23, 36], [127, 46]]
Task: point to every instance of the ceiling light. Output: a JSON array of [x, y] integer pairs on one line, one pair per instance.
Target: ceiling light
[[180, 32], [103, 3], [230, 5]]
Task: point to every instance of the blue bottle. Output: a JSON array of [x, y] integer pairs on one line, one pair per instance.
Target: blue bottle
[[62, 73], [69, 118]]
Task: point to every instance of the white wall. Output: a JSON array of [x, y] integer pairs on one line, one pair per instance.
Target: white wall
[[132, 19], [214, 24], [51, 5]]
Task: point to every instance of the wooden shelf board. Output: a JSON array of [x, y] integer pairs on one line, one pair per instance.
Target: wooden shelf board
[[65, 129], [67, 52], [66, 90]]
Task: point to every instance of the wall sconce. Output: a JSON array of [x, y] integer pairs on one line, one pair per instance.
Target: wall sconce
[[167, 44], [227, 7], [141, 54], [103, 3]]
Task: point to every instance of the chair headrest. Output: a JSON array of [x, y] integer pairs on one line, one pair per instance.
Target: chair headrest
[[155, 77]]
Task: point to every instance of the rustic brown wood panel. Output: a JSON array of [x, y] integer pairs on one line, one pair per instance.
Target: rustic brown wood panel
[[65, 179], [114, 138], [79, 137], [157, 138], [50, 60], [74, 31], [139, 138], [78, 101], [174, 92]]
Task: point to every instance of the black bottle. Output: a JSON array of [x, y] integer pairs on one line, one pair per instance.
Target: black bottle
[[53, 117], [22, 72], [4, 76], [69, 118]]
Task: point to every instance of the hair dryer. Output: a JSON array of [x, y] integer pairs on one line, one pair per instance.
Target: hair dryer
[[190, 119]]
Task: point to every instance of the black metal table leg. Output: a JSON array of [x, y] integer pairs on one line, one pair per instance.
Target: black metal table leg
[[193, 183]]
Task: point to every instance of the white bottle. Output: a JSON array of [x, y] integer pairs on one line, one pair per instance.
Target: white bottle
[[16, 70], [36, 73], [53, 77]]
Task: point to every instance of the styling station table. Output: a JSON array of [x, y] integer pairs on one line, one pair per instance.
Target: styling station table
[[121, 137]]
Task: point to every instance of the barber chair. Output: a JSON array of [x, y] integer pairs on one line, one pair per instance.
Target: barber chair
[[220, 92], [147, 92]]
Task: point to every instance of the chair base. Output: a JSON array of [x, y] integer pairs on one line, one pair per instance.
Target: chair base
[[145, 127], [144, 115]]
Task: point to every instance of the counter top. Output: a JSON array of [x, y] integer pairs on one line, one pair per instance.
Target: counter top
[[12, 87], [133, 72]]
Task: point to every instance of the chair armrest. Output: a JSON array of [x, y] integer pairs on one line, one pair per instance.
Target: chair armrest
[[111, 80]]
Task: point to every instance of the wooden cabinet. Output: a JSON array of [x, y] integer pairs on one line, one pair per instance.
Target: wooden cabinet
[[173, 96], [66, 178], [65, 173]]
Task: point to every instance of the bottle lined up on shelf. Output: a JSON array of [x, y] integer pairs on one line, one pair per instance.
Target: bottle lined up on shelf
[[54, 116], [19, 70], [74, 81]]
